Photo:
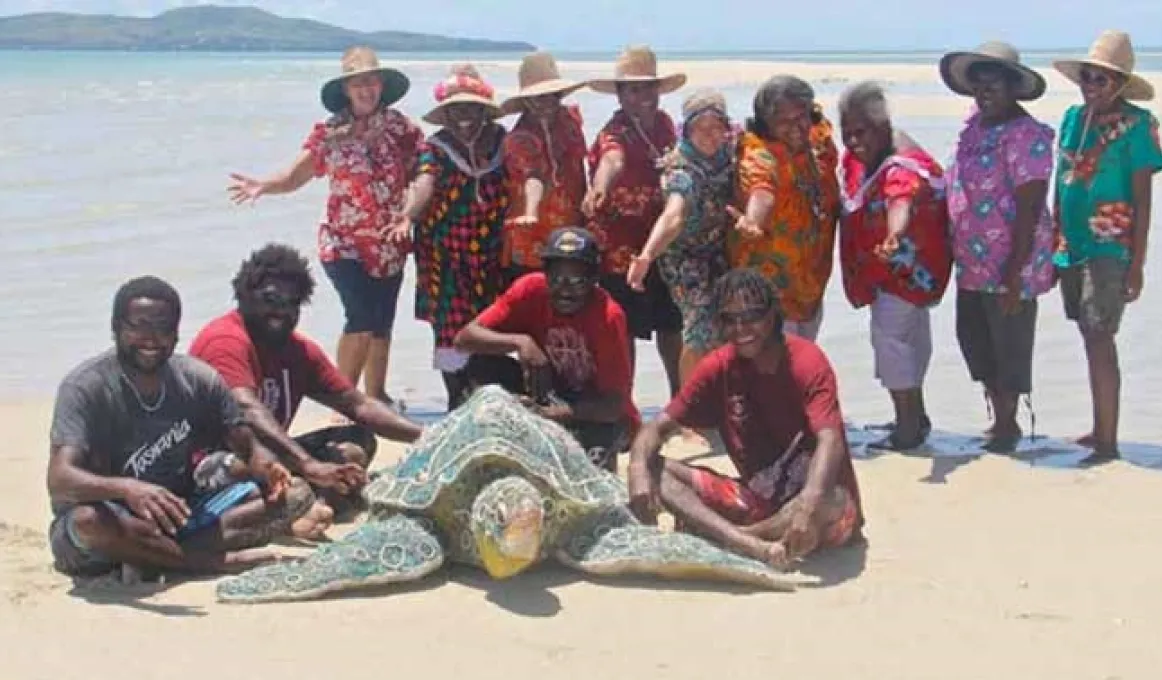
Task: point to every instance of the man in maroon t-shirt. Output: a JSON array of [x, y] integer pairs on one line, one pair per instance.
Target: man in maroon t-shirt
[[270, 367], [775, 402], [569, 338]]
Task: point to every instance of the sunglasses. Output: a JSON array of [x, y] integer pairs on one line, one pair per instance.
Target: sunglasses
[[747, 316], [568, 281], [278, 300], [150, 326], [1097, 78]]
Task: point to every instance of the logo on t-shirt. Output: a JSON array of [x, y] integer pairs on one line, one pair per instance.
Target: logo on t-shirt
[[145, 457], [570, 356]]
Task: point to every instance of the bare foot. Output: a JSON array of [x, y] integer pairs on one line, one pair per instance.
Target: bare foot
[[241, 560], [1086, 440], [772, 554], [313, 525]]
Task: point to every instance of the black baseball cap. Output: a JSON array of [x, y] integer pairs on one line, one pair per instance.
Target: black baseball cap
[[572, 243]]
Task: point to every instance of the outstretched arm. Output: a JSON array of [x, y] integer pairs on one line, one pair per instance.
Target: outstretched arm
[[245, 188], [373, 414]]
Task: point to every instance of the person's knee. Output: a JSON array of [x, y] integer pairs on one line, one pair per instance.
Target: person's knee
[[352, 452], [92, 527]]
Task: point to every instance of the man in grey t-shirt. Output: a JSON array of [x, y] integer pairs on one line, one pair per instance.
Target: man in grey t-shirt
[[126, 428]]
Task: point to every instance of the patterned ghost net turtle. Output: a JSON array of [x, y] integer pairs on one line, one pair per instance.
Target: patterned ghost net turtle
[[494, 486]]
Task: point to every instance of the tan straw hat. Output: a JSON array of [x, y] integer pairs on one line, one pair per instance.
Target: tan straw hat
[[1112, 51], [538, 75], [638, 64], [462, 86], [954, 68], [357, 61]]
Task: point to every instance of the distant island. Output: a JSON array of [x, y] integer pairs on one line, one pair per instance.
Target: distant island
[[211, 28]]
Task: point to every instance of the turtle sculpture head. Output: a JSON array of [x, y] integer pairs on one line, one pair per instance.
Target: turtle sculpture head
[[507, 522]]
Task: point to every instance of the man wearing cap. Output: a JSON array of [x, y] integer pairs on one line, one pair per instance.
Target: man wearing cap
[[625, 197], [1109, 153], [544, 155], [568, 336], [1002, 233]]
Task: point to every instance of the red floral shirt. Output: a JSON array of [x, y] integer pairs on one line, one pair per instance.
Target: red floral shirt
[[559, 162], [635, 198], [369, 176]]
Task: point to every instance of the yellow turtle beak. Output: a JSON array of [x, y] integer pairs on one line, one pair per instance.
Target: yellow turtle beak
[[514, 548]]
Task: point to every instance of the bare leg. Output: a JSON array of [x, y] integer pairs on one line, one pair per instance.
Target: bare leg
[[687, 363], [831, 509], [254, 522], [1004, 433], [1105, 382], [375, 369], [351, 357], [670, 350], [313, 525], [344, 507], [679, 497]]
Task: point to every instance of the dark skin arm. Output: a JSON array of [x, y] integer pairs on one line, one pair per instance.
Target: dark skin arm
[[373, 414], [1030, 198], [270, 432], [478, 339], [264, 465], [1142, 192], [821, 476], [643, 487]]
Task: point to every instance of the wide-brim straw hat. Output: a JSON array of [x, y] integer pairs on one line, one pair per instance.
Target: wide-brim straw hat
[[954, 68], [638, 64], [464, 85], [538, 75], [1112, 51], [355, 62]]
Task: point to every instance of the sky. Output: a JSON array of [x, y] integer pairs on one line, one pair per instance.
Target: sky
[[707, 25]]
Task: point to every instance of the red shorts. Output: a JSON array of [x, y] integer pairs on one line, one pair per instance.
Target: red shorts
[[733, 500]]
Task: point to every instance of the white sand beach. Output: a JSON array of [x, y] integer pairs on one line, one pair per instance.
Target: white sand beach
[[986, 568]]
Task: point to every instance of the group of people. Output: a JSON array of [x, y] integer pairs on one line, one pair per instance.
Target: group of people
[[539, 259]]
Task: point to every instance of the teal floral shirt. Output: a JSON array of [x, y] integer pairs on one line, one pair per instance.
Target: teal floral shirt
[[1094, 185]]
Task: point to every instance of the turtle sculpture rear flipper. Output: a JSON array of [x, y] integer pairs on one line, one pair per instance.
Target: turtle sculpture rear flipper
[[614, 544], [393, 550]]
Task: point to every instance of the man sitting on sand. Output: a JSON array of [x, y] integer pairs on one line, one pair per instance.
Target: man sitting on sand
[[569, 337], [774, 400], [126, 427], [270, 367]]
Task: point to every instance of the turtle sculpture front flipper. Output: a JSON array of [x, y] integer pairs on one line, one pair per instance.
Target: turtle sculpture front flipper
[[392, 550], [613, 543]]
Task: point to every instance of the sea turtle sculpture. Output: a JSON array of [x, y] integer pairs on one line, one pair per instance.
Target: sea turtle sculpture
[[495, 486]]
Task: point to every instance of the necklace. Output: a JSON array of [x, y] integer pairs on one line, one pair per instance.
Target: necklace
[[141, 402]]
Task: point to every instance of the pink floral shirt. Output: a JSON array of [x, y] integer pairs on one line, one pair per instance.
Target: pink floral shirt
[[369, 177], [991, 162]]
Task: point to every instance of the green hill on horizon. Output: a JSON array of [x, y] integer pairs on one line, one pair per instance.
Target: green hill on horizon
[[217, 28]]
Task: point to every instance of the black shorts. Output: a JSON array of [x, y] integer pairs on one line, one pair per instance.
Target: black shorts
[[369, 303], [319, 443], [646, 312], [997, 347]]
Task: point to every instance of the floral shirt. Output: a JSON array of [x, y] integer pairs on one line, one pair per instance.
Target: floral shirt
[[991, 162], [919, 270], [796, 253], [1095, 181], [635, 198], [556, 156], [369, 177]]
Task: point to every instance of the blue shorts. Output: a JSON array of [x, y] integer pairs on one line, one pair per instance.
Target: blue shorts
[[368, 303], [71, 556]]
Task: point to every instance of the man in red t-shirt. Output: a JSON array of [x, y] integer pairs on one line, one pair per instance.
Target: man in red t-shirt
[[569, 338], [775, 402], [270, 367]]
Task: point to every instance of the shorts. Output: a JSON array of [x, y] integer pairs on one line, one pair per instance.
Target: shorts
[[368, 303], [71, 556], [997, 347], [901, 339], [318, 443], [648, 311], [1094, 294], [732, 499]]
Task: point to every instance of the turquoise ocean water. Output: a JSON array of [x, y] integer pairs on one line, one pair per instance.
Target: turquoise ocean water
[[115, 164]]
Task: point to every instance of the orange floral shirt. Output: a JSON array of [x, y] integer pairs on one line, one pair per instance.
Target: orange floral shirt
[[558, 160], [796, 253]]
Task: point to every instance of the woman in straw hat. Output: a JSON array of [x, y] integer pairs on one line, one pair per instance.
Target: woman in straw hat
[[787, 162], [894, 250], [545, 158], [625, 198], [458, 206], [689, 239], [1002, 232], [367, 150], [1109, 152]]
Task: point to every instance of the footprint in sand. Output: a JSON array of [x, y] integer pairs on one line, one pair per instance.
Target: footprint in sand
[[25, 569]]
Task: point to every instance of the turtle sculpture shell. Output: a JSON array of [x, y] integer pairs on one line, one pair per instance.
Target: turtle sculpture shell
[[421, 511]]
